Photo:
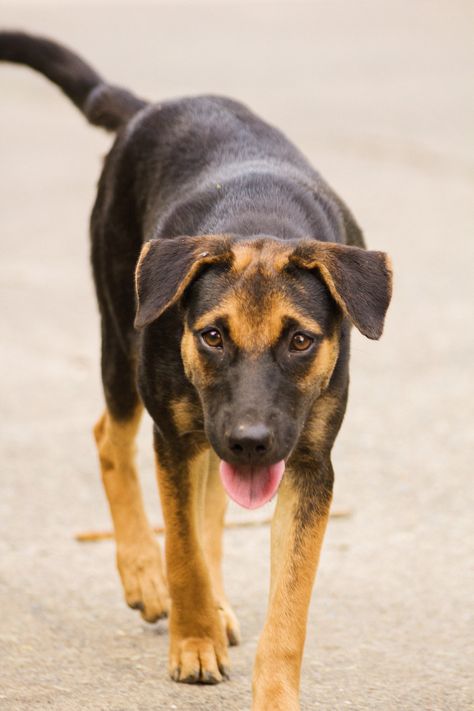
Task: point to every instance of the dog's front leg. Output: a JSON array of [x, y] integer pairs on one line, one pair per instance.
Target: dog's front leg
[[298, 529], [198, 644], [213, 524]]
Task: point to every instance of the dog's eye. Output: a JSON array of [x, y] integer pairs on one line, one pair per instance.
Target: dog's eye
[[212, 338], [301, 342]]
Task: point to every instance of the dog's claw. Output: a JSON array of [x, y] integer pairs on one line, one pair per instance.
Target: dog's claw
[[230, 623], [233, 638], [154, 617], [191, 678], [137, 605], [209, 678], [225, 671], [203, 677], [147, 616]]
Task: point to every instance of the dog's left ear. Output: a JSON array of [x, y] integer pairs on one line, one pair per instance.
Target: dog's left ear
[[360, 281], [166, 267]]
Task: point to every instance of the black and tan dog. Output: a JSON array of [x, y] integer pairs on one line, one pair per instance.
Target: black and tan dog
[[228, 275]]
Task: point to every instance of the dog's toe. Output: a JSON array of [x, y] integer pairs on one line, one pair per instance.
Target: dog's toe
[[231, 624], [198, 661]]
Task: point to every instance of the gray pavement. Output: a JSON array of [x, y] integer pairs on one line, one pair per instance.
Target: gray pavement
[[379, 96]]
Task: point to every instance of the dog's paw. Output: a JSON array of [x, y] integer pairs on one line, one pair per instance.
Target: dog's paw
[[141, 570], [198, 660], [230, 623]]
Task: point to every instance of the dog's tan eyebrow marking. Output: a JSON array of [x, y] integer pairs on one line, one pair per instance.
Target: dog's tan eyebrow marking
[[255, 319], [221, 313], [255, 327]]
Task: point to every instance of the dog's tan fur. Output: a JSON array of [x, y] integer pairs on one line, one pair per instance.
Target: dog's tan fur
[[194, 552], [198, 644], [138, 554], [324, 410], [294, 562], [184, 413], [215, 506], [323, 365]]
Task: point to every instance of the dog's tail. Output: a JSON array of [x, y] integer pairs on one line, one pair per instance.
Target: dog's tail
[[102, 104]]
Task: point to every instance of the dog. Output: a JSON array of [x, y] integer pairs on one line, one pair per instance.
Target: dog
[[228, 277]]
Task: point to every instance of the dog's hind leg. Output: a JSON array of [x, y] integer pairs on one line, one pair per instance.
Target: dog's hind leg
[[215, 506], [138, 553]]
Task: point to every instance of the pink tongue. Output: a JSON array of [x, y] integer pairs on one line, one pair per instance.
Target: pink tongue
[[251, 487]]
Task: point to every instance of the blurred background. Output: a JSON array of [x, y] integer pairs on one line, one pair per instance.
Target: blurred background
[[379, 95]]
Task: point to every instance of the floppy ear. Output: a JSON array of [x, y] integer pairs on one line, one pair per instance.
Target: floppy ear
[[360, 281], [166, 267]]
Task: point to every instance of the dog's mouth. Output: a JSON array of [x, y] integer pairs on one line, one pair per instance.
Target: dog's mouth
[[251, 487]]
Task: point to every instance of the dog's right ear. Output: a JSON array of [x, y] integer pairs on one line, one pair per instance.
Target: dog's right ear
[[359, 280], [166, 267]]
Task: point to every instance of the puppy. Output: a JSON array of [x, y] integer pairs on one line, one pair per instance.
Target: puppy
[[228, 275]]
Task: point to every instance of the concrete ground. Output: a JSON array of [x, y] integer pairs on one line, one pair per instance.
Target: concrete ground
[[379, 96]]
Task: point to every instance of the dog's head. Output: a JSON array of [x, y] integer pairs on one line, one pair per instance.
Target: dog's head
[[262, 320]]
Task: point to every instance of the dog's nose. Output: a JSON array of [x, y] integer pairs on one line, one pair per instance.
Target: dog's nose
[[250, 441]]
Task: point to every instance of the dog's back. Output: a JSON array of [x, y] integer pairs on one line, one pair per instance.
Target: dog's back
[[208, 164]]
